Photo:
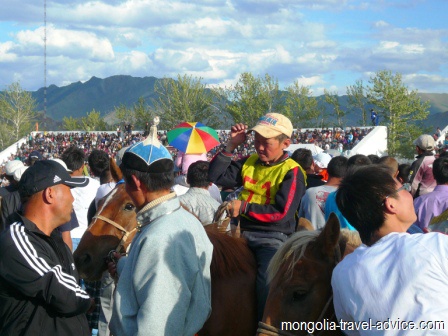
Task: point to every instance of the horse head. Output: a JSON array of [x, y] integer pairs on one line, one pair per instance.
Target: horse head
[[112, 228], [300, 280]]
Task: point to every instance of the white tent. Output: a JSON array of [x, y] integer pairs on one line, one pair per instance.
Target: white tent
[[312, 147], [373, 143]]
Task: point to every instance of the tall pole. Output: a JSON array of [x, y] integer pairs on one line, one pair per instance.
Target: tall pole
[[45, 59]]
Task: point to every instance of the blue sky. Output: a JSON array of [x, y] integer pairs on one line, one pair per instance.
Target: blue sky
[[326, 44]]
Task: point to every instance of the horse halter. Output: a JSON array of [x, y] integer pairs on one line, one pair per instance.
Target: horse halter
[[119, 227], [269, 330]]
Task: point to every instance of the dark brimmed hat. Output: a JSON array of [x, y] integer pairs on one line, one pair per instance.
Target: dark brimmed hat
[[35, 155], [44, 174]]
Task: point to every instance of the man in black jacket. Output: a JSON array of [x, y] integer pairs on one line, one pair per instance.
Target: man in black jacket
[[39, 291]]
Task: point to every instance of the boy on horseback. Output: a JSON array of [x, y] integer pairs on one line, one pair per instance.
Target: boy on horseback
[[273, 187]]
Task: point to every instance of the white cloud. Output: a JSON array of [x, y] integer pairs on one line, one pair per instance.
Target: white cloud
[[6, 54], [220, 39]]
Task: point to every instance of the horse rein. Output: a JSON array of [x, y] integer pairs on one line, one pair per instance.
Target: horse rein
[[270, 330]]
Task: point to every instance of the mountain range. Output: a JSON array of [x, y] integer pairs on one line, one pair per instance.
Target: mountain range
[[104, 95]]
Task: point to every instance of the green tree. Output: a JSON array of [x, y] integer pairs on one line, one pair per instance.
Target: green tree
[[303, 108], [251, 97], [357, 100], [332, 99], [399, 108], [70, 124], [5, 136], [93, 122], [17, 110], [184, 99], [142, 113], [124, 115]]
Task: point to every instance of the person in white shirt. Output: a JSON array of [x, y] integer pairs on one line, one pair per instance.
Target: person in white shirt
[[393, 276], [197, 199], [312, 206], [74, 158]]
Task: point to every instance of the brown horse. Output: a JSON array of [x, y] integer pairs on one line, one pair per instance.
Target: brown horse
[[233, 267], [300, 296]]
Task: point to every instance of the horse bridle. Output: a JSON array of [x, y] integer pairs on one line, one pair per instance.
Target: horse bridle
[[270, 330], [119, 227]]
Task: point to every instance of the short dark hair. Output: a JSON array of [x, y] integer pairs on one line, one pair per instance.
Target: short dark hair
[[404, 170], [358, 160], [440, 170], [99, 162], [361, 195], [152, 181], [389, 162], [303, 157], [73, 157], [337, 167], [373, 158], [197, 175]]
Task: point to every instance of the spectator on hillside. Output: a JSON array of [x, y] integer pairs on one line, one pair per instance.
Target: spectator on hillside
[[374, 117]]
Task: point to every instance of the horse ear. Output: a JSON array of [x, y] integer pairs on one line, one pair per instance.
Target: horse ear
[[329, 237], [115, 171]]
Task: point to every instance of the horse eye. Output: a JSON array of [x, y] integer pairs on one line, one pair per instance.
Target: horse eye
[[298, 296], [129, 207]]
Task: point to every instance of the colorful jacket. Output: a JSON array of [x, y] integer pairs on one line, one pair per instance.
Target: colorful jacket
[[279, 215]]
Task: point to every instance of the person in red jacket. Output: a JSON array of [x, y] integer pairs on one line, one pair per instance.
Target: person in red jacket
[[273, 185]]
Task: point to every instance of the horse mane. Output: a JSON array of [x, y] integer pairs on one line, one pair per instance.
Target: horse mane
[[294, 249], [230, 255], [351, 237]]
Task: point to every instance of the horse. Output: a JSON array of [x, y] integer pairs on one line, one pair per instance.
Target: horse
[[233, 267], [300, 296]]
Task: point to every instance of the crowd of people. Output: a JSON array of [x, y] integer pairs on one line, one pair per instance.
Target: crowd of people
[[52, 144], [164, 282]]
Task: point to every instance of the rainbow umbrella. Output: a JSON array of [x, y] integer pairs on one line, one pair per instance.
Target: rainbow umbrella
[[193, 138]]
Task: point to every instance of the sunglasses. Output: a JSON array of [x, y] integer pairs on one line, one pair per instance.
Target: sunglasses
[[406, 186]]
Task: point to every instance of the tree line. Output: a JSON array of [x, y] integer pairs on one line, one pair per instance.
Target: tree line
[[188, 98]]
